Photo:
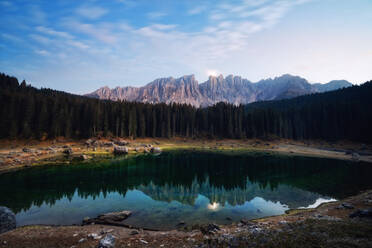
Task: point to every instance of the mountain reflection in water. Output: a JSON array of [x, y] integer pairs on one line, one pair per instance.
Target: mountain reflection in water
[[195, 187]]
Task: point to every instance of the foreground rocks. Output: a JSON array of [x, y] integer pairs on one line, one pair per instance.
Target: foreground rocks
[[7, 219], [107, 242], [362, 213]]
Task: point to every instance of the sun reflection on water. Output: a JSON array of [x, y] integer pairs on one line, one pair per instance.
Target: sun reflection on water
[[213, 206]]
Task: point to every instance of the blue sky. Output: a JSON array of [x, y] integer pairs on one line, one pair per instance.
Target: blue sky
[[79, 46]]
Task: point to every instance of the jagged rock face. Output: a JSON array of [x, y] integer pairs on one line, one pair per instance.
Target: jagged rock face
[[232, 89]]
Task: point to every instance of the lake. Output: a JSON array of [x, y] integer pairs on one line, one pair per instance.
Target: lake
[[194, 187]]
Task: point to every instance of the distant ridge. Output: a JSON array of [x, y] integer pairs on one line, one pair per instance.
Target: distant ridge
[[232, 89]]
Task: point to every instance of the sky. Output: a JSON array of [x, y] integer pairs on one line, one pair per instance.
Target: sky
[[79, 46]]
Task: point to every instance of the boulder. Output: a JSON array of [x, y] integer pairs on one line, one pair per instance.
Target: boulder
[[68, 151], [120, 150], [7, 219], [155, 150], [355, 156], [107, 242], [108, 144], [121, 143]]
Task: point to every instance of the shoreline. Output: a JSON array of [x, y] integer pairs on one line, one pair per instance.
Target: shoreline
[[16, 155], [329, 215]]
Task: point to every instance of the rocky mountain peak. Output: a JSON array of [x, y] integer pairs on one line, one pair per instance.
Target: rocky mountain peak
[[232, 89]]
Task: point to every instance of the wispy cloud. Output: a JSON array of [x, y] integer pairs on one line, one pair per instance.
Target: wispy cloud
[[52, 32], [101, 32], [197, 10], [40, 39], [156, 15], [91, 12], [42, 52], [11, 37]]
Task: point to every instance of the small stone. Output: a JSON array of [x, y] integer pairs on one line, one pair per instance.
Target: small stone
[[143, 241], [107, 242], [92, 235], [82, 240], [246, 222], [355, 156], [75, 235], [364, 213]]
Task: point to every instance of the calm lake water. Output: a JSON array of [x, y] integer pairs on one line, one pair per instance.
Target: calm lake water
[[194, 187]]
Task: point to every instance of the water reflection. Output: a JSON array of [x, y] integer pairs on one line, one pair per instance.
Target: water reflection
[[192, 187]]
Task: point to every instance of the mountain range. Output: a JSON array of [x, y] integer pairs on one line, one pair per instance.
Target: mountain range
[[232, 89]]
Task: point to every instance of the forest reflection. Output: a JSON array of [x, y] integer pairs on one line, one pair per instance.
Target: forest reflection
[[182, 176]]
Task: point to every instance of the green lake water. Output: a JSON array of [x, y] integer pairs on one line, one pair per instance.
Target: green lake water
[[194, 187]]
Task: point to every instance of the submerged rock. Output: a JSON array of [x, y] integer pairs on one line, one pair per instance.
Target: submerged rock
[[347, 205], [120, 150], [107, 242], [7, 219], [108, 218]]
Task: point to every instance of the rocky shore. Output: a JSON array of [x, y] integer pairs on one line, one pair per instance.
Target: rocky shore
[[18, 154], [346, 223]]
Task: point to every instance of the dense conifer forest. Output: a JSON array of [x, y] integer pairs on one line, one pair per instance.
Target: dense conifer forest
[[27, 112]]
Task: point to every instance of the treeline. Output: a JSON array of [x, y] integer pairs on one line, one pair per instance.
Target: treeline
[[27, 112]]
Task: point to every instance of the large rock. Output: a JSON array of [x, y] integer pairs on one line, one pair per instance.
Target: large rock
[[121, 143], [108, 144], [115, 216], [120, 150], [107, 242], [67, 151], [7, 219], [155, 150]]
